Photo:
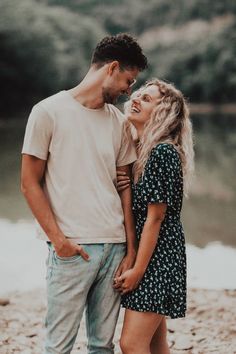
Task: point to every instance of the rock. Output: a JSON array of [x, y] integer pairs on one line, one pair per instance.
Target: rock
[[4, 337], [31, 334], [14, 325], [183, 343], [232, 330], [171, 343], [173, 326], [4, 302], [197, 337], [171, 330], [22, 330], [22, 340]]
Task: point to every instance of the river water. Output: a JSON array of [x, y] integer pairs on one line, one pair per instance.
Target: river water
[[208, 215]]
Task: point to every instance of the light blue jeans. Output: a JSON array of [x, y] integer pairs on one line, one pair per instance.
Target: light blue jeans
[[73, 285]]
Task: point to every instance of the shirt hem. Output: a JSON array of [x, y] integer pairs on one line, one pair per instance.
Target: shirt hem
[[88, 241], [128, 162]]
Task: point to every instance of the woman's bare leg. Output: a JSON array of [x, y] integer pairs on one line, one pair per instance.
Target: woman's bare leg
[[159, 343], [138, 330]]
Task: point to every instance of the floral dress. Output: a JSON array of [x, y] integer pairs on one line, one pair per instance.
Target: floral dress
[[163, 287]]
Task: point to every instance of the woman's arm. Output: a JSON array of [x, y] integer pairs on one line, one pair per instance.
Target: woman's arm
[[131, 278]]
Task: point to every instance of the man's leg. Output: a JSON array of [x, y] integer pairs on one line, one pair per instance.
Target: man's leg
[[103, 302], [68, 283]]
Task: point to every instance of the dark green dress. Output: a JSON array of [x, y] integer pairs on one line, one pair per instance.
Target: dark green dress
[[163, 286]]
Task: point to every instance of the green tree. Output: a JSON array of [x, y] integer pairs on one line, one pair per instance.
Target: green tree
[[205, 69], [43, 49]]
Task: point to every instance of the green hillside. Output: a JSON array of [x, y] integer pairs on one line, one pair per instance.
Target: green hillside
[[46, 45]]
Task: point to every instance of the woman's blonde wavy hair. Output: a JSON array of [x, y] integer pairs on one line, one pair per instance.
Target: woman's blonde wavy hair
[[169, 123]]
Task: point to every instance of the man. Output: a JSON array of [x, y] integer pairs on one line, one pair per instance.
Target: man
[[73, 144]]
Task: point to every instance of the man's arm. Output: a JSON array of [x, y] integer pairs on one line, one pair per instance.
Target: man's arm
[[126, 201], [32, 175]]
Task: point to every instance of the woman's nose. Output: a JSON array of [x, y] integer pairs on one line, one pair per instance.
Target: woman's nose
[[135, 100]]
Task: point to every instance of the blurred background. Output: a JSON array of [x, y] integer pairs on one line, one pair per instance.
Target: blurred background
[[46, 46]]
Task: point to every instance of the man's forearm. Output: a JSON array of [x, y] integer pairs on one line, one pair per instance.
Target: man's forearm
[[126, 200], [42, 211]]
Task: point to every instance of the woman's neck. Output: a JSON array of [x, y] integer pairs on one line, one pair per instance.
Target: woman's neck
[[139, 132]]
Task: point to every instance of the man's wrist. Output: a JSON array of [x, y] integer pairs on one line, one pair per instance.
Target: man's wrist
[[58, 240], [131, 251]]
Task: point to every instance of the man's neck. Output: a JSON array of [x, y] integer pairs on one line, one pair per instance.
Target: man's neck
[[89, 91]]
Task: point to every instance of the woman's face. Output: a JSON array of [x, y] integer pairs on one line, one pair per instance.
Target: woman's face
[[141, 104]]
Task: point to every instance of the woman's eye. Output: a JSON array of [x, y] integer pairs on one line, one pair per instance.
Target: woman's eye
[[146, 98]]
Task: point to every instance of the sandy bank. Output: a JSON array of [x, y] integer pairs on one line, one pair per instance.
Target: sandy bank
[[209, 327]]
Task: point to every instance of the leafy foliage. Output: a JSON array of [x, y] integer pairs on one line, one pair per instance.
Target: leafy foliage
[[43, 49], [205, 70], [46, 45]]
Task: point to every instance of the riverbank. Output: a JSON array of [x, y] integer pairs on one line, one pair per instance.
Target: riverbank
[[211, 108], [23, 258], [209, 326]]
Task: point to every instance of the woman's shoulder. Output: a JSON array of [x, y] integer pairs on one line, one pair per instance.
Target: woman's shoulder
[[164, 157], [164, 149]]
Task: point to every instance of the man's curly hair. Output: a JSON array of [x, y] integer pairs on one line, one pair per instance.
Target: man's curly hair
[[121, 47]]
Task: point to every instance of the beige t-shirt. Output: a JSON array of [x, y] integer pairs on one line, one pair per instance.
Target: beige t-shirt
[[82, 147]]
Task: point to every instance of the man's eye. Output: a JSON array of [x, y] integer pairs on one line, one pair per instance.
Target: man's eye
[[146, 98]]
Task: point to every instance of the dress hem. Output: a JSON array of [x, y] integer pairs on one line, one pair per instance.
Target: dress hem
[[159, 312]]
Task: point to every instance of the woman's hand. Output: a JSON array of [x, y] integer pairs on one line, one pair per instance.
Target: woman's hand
[[123, 180], [128, 281]]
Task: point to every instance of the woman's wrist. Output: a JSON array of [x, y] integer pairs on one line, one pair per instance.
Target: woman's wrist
[[139, 271]]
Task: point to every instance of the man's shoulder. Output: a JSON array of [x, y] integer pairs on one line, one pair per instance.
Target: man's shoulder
[[50, 104]]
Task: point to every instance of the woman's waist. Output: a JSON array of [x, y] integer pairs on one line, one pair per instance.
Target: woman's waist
[[170, 218]]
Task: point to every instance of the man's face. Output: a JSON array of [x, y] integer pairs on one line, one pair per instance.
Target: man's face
[[118, 82]]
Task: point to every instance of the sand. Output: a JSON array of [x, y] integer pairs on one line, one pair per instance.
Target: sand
[[209, 327]]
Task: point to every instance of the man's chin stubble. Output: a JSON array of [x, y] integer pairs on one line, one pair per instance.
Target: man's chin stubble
[[109, 99]]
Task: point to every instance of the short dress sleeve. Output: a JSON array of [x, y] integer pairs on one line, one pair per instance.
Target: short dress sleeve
[[162, 175]]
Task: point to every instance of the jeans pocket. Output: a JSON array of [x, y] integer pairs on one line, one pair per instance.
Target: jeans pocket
[[67, 259], [49, 262]]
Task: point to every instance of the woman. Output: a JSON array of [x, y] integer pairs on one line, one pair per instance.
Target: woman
[[156, 285]]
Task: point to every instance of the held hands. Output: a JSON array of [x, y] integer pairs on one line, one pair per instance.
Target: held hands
[[68, 249], [123, 180], [128, 281], [126, 263]]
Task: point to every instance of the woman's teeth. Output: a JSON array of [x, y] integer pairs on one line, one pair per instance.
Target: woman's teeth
[[135, 110]]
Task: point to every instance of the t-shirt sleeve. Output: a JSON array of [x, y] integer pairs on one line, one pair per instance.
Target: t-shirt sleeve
[[161, 176], [127, 153], [38, 133]]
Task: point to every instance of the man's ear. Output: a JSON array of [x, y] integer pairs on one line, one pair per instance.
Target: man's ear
[[113, 66]]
